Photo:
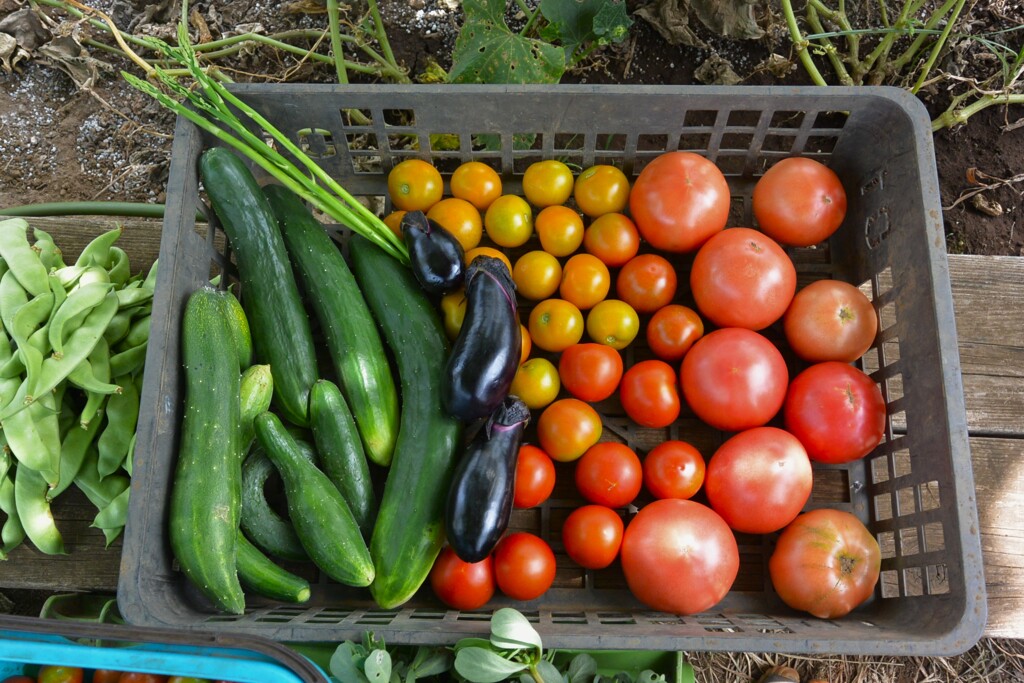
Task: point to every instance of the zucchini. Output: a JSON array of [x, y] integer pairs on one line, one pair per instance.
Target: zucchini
[[409, 530], [281, 334], [321, 517], [349, 332], [206, 492], [259, 574], [268, 530]]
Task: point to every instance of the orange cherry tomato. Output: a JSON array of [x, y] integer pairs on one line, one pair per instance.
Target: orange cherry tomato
[[547, 183], [613, 322], [613, 238], [487, 251], [394, 221], [477, 183], [647, 282], [567, 428], [601, 189], [560, 230], [509, 221], [536, 383], [460, 218], [555, 324], [585, 281], [537, 275], [415, 185]]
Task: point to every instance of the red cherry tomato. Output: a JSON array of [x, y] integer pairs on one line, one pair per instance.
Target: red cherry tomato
[[734, 379], [742, 278], [799, 202], [647, 282], [139, 677], [673, 469], [462, 585], [679, 200], [592, 535], [590, 371], [672, 330], [108, 676], [524, 566], [609, 474], [55, 673], [830, 320], [836, 411], [759, 480], [649, 393], [535, 477]]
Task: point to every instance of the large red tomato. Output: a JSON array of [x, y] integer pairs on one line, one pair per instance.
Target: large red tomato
[[759, 480], [830, 320], [826, 562], [678, 201], [799, 202], [609, 474], [462, 585], [836, 411], [524, 566], [592, 535], [649, 393], [679, 556], [742, 278], [734, 379], [590, 371]]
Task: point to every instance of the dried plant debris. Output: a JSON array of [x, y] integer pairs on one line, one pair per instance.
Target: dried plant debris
[[673, 19]]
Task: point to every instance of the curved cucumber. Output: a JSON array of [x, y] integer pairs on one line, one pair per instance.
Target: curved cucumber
[[259, 574], [260, 522]]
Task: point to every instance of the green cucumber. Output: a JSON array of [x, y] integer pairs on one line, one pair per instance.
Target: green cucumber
[[206, 492], [281, 333], [270, 532], [319, 513], [350, 334], [409, 531], [341, 452], [257, 389], [259, 574]]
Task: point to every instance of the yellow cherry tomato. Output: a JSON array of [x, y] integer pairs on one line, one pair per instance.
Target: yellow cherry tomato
[[527, 343], [477, 183], [460, 218], [509, 221], [537, 274], [394, 221], [415, 185], [560, 230], [487, 251], [613, 323], [547, 183], [453, 312], [555, 325], [585, 281], [536, 383], [601, 189]]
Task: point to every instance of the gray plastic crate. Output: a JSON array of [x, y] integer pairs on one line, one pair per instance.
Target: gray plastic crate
[[915, 491]]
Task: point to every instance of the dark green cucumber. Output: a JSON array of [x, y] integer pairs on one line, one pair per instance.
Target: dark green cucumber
[[409, 530], [268, 530], [341, 451], [259, 574], [281, 333], [320, 515], [350, 334], [206, 491]]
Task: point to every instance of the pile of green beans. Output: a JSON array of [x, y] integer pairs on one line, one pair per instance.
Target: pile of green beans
[[73, 342]]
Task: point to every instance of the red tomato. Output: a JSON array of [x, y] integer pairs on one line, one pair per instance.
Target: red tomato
[[679, 556], [826, 562], [647, 282], [742, 278], [590, 371], [524, 566], [592, 536], [672, 330], [799, 202], [679, 200], [673, 469], [649, 393], [609, 474], [535, 477], [613, 238], [462, 585], [759, 480], [59, 674], [107, 676], [567, 428], [734, 379], [836, 411], [830, 320], [139, 677]]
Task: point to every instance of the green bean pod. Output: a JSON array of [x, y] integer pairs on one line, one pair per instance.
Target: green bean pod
[[97, 252], [136, 296], [79, 302], [118, 327], [13, 533], [26, 322], [34, 511], [129, 361], [111, 519], [49, 253], [122, 416], [138, 333], [12, 297], [34, 441], [21, 259], [73, 449], [119, 268]]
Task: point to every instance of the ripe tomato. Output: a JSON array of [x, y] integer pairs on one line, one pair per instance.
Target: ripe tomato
[[592, 535], [55, 673], [601, 189], [547, 183], [585, 281], [799, 202], [560, 230], [836, 411], [679, 200], [107, 676], [524, 566], [535, 477], [509, 221], [609, 474], [462, 585], [139, 677], [555, 324], [536, 383], [647, 282], [567, 428], [830, 320], [826, 562], [477, 183], [679, 556], [759, 480], [453, 312], [613, 238], [649, 393], [673, 469], [460, 218], [527, 343], [23, 679], [414, 185], [590, 371], [180, 679], [742, 278], [488, 251], [537, 275], [672, 330], [394, 222], [614, 323], [734, 379]]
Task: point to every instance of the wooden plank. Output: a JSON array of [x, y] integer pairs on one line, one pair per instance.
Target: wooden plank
[[140, 237]]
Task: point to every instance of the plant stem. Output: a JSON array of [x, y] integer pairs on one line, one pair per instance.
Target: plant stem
[[830, 49], [956, 115], [336, 51], [381, 34], [911, 52], [846, 30], [131, 209], [937, 47], [531, 16], [801, 44]]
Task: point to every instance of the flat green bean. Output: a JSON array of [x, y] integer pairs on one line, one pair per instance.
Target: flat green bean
[[97, 252], [150, 281], [22, 260], [34, 511], [33, 436], [113, 516], [118, 327], [99, 361], [138, 334], [91, 274], [129, 361], [122, 416], [43, 237], [12, 534], [12, 297], [131, 454], [5, 458], [119, 269], [49, 253], [80, 301], [126, 298], [73, 450], [84, 377], [99, 490], [27, 320]]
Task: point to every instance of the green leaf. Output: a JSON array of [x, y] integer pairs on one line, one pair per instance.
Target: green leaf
[[482, 643], [549, 672], [487, 51], [430, 662], [579, 22], [582, 668], [345, 663], [511, 630], [478, 665], [378, 666]]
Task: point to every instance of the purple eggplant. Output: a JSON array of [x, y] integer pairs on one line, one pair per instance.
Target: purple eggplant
[[436, 256]]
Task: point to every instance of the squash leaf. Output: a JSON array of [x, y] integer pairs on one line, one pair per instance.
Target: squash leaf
[[487, 51], [576, 23]]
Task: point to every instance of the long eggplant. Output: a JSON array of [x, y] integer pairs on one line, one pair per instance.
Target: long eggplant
[[435, 255]]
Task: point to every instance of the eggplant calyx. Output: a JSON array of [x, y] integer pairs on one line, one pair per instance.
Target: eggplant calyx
[[511, 414], [415, 220], [495, 269]]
